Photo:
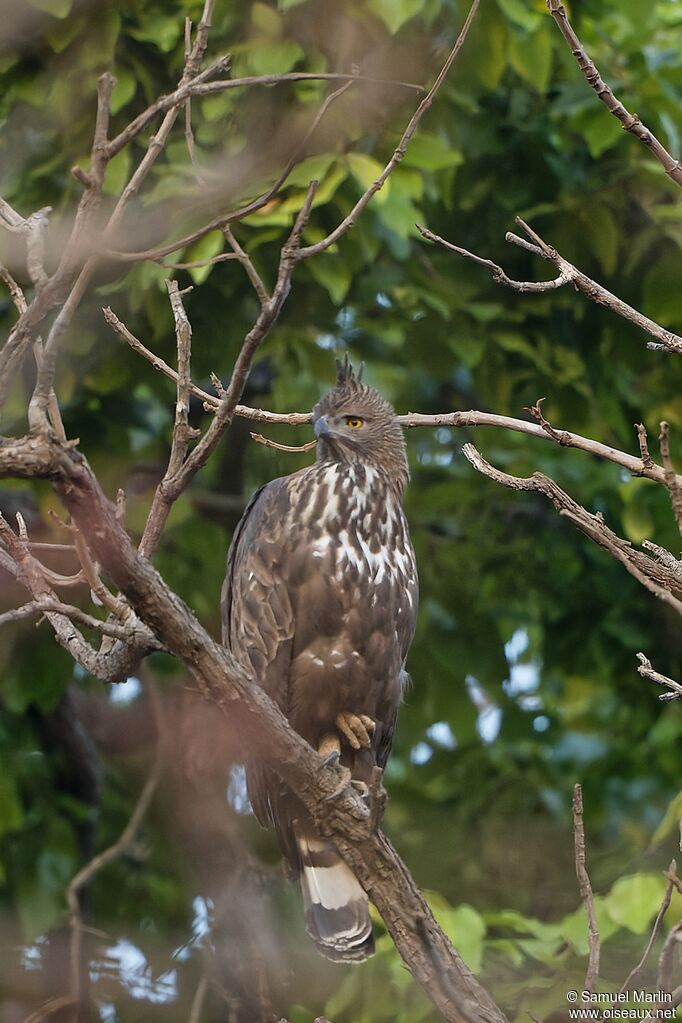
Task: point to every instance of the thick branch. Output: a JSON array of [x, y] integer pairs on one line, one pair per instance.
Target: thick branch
[[260, 725]]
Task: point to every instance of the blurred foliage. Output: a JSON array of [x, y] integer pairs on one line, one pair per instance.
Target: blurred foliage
[[524, 662]]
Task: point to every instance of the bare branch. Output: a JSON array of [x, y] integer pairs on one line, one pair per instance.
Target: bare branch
[[654, 576], [663, 909], [568, 274], [260, 724], [221, 222], [630, 122], [15, 292], [251, 271], [672, 481], [198, 1000], [644, 445], [498, 274], [592, 975], [173, 486], [108, 855], [647, 671], [182, 433], [41, 607], [400, 149], [111, 663], [260, 439], [665, 963]]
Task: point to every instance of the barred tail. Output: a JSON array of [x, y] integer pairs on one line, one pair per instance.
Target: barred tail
[[336, 907]]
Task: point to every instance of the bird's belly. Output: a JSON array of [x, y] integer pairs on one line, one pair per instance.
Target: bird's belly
[[349, 657]]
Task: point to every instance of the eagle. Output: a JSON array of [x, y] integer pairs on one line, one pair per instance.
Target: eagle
[[320, 602]]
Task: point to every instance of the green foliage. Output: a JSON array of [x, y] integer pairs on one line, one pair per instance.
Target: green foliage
[[524, 672]]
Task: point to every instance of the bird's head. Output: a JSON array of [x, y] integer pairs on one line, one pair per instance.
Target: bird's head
[[354, 423]]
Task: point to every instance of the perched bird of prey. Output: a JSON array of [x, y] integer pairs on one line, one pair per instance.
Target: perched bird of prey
[[320, 601]]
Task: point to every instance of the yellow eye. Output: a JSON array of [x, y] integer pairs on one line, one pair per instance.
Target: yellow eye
[[354, 422]]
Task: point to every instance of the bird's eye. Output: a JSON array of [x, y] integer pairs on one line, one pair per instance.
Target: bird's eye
[[355, 422]]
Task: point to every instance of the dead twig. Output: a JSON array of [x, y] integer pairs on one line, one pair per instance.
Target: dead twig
[[658, 578], [647, 671], [568, 274], [260, 439], [630, 122], [111, 853], [671, 479], [592, 975], [663, 909]]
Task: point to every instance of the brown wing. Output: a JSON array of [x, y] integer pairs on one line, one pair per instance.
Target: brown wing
[[257, 617]]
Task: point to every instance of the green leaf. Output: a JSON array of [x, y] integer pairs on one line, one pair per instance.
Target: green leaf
[[634, 901], [431, 153], [118, 171], [124, 90], [464, 926], [519, 12], [206, 248], [333, 273], [274, 57], [662, 292], [365, 169], [58, 8], [601, 130], [265, 19], [11, 812], [574, 927], [531, 57], [670, 822], [395, 13]]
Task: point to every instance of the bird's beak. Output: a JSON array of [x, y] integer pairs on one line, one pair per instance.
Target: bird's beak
[[322, 428]]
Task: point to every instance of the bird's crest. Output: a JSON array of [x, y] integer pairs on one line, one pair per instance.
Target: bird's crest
[[346, 375]]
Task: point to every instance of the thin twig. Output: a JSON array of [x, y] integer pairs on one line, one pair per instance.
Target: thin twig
[[568, 274], [663, 909], [41, 607], [671, 480], [221, 222], [630, 122], [182, 432], [647, 671], [246, 262], [592, 975], [655, 576], [111, 853], [400, 149], [199, 999], [260, 439], [637, 466], [643, 440]]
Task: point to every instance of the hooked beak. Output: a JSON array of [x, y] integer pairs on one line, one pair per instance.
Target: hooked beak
[[322, 429]]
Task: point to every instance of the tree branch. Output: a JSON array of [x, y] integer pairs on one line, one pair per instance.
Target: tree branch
[[653, 575], [630, 122], [108, 855], [259, 724], [592, 975], [568, 274], [647, 671]]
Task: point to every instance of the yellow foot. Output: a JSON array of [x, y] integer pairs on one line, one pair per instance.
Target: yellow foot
[[357, 729]]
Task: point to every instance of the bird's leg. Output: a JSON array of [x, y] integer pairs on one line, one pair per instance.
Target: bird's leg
[[357, 729], [329, 748]]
